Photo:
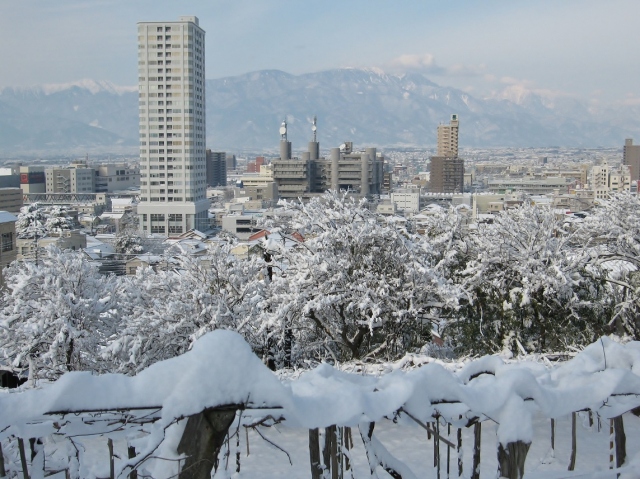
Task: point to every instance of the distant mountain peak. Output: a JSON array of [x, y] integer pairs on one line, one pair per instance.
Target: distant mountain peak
[[93, 86]]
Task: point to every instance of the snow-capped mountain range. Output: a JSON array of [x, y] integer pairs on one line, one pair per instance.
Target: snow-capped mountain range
[[367, 107]]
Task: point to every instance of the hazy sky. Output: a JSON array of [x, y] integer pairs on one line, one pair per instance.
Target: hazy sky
[[585, 48]]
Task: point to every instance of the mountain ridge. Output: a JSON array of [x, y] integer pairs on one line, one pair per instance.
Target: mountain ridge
[[366, 106]]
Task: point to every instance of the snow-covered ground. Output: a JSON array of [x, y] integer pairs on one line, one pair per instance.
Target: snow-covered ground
[[409, 443], [514, 400]]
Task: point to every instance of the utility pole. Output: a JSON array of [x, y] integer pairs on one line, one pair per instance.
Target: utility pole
[[36, 240]]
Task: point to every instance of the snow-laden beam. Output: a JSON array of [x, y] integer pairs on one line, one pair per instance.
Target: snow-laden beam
[[221, 370]]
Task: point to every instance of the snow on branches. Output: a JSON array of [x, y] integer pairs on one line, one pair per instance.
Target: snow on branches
[[55, 314], [359, 286]]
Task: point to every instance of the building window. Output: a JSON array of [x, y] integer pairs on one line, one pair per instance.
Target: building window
[[156, 217], [7, 241]]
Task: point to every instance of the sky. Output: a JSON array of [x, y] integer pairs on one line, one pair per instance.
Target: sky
[[589, 49]]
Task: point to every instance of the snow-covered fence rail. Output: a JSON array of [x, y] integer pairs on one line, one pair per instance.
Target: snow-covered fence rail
[[181, 410]]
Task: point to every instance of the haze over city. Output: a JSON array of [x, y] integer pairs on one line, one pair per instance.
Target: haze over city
[[572, 48]]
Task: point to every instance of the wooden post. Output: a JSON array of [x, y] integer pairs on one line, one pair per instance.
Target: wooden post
[[621, 440], [611, 446], [340, 433], [332, 432], [436, 446], [553, 437], [348, 444], [3, 472], [131, 452], [202, 439], [511, 459], [314, 453], [459, 450], [326, 449], [112, 472], [477, 437], [23, 459], [448, 450], [572, 459], [238, 449]]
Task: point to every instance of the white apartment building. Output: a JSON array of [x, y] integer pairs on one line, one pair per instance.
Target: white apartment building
[[407, 200], [605, 180], [76, 178], [171, 68], [115, 177]]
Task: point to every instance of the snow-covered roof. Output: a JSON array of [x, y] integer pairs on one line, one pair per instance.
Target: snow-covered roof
[[107, 236], [148, 258], [93, 241], [6, 217], [121, 202], [111, 215], [190, 246], [100, 250]]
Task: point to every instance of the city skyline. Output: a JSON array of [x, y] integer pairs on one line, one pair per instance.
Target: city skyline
[[573, 48]]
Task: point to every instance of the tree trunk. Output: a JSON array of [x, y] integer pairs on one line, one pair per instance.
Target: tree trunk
[[511, 459], [70, 355], [201, 441]]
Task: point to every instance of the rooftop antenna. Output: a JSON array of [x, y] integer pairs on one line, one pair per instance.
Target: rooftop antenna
[[283, 130], [314, 128]]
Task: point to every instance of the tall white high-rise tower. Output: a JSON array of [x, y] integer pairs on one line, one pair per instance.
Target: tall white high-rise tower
[[172, 127]]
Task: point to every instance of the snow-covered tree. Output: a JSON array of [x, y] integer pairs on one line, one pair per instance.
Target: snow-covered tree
[[164, 312], [35, 220], [527, 285], [128, 243], [31, 221], [55, 315], [610, 236], [359, 286]]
